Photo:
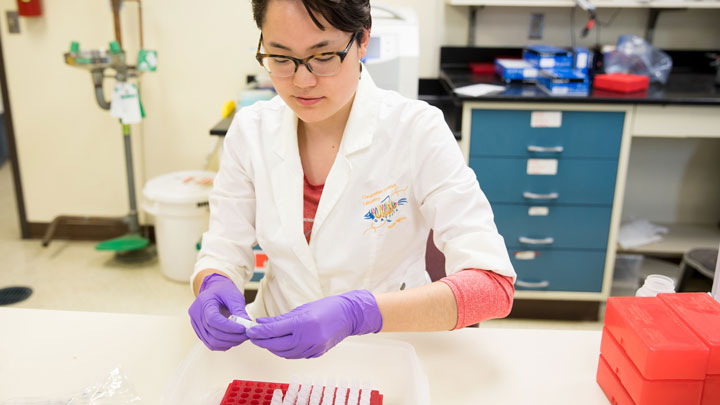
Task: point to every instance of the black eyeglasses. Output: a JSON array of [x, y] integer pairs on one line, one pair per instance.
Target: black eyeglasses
[[321, 64]]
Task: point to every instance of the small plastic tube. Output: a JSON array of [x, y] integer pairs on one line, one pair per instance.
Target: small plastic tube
[[341, 394], [365, 395], [316, 394], [353, 395], [292, 391], [242, 321], [328, 395], [304, 394], [277, 397]]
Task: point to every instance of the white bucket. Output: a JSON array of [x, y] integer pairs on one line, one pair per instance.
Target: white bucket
[[179, 202]]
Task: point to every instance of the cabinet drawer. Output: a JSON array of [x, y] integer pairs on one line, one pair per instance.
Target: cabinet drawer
[[562, 227], [582, 134], [558, 270], [505, 180]]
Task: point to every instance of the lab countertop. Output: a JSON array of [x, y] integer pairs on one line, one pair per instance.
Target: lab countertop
[[681, 88], [50, 354]]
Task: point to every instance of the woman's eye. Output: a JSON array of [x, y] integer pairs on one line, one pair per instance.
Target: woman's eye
[[280, 61], [328, 59]]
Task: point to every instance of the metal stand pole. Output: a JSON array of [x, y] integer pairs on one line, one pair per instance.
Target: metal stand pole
[[133, 222]]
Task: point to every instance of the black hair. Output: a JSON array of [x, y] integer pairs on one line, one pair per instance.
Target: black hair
[[346, 15]]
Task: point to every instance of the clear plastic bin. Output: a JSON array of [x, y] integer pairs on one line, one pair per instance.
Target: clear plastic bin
[[389, 366], [626, 276]]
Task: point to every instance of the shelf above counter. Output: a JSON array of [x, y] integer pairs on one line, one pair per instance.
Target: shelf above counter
[[707, 4], [679, 239]]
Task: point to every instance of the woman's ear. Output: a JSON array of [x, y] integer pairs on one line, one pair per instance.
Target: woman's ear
[[363, 45]]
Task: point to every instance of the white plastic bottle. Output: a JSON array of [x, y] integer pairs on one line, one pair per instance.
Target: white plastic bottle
[[654, 285]]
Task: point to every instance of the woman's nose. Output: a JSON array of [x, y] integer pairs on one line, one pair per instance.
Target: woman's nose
[[304, 78]]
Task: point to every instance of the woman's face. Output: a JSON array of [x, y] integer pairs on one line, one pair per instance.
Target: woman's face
[[289, 30]]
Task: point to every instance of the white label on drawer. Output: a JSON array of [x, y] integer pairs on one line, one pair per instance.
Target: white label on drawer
[[546, 119], [545, 167], [526, 255], [539, 211]]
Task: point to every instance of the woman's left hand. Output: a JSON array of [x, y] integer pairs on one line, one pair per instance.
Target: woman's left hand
[[312, 329]]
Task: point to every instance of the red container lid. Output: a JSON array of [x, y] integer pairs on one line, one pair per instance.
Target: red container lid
[[621, 82], [642, 390], [482, 67], [657, 342], [611, 385], [701, 313]]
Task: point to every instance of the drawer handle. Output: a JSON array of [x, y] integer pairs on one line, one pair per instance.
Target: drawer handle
[[533, 241], [525, 284], [545, 149], [533, 196]]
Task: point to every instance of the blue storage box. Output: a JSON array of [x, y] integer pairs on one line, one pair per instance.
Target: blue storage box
[[548, 57], [515, 69], [564, 82]]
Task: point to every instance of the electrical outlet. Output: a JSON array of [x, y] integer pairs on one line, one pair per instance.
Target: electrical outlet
[[13, 22], [537, 21]]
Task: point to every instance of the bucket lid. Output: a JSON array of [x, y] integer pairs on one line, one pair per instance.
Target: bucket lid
[[190, 186]]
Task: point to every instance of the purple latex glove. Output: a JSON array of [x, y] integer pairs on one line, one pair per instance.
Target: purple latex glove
[[312, 329], [217, 299]]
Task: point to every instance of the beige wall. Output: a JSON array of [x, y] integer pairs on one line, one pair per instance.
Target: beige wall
[[71, 152]]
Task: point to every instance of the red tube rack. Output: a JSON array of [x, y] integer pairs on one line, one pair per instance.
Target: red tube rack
[[244, 392]]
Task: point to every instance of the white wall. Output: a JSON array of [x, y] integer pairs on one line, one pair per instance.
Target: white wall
[[71, 152]]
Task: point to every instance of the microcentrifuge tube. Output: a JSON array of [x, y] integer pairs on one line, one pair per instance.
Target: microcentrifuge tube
[[292, 392], [365, 396], [341, 394], [304, 394], [316, 394], [242, 321], [277, 397], [353, 395], [328, 395]]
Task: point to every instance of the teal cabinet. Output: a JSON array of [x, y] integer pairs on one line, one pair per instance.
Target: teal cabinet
[[551, 186]]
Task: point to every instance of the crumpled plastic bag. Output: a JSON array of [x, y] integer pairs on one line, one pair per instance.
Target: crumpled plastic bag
[[115, 390], [634, 55]]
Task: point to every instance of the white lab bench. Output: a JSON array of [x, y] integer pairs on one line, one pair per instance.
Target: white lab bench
[[49, 354]]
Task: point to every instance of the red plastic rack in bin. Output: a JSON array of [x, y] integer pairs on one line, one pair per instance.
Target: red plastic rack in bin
[[621, 82], [660, 346], [642, 390], [244, 392], [611, 385]]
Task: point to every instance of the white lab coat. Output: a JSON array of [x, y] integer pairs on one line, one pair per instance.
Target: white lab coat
[[398, 173]]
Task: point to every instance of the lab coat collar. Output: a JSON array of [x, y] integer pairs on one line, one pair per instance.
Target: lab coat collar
[[359, 128]]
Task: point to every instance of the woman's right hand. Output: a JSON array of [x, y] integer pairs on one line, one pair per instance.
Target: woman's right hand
[[218, 294]]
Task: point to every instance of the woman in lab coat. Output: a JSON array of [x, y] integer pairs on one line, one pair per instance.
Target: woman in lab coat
[[340, 182]]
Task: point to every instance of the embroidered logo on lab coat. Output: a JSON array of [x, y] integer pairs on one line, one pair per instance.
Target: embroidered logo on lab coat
[[384, 205]]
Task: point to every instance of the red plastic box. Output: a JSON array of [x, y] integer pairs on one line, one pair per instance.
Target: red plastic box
[[660, 346], [642, 390], [243, 392], [711, 391], [621, 82], [701, 313], [611, 385]]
